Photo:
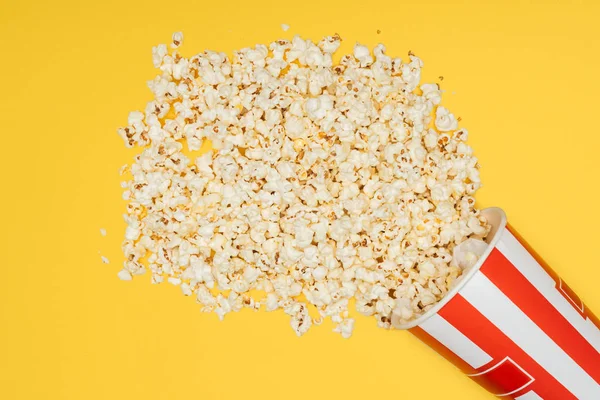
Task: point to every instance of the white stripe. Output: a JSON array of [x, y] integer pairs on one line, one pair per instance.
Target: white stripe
[[518, 255], [592, 334], [517, 326], [529, 396], [455, 341]]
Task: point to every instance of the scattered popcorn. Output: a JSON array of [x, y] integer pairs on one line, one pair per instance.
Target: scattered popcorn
[[345, 328], [325, 183], [103, 232], [104, 260], [285, 27], [177, 40], [174, 281], [444, 120], [124, 275]]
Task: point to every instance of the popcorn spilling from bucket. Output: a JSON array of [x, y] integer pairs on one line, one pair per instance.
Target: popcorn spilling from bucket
[[279, 179], [511, 324], [466, 254]]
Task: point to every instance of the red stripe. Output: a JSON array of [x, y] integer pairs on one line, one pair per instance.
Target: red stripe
[[442, 350], [513, 284], [507, 376], [464, 317]]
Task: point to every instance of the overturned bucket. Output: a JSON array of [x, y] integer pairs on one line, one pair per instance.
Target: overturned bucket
[[514, 327]]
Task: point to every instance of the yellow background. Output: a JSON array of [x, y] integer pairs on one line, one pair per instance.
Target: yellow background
[[524, 77]]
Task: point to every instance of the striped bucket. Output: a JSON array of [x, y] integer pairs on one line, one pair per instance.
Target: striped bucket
[[514, 327]]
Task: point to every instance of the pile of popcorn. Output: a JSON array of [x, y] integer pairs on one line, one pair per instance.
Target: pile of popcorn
[[326, 183]]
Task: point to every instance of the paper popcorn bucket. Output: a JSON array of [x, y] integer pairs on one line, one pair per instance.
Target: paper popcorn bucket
[[514, 327]]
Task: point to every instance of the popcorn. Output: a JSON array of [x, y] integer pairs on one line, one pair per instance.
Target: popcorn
[[177, 40], [285, 27], [174, 281], [345, 328], [431, 91], [444, 120], [124, 275], [103, 231], [325, 183], [466, 254], [104, 260]]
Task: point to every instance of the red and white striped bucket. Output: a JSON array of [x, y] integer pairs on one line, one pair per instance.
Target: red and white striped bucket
[[514, 327]]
